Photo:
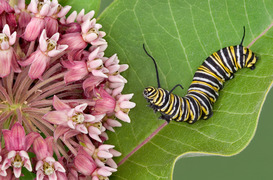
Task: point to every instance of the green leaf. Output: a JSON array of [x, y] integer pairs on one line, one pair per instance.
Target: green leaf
[[78, 5], [180, 35], [27, 174]]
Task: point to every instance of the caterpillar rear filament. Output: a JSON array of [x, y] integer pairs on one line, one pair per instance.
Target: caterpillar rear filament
[[204, 90]]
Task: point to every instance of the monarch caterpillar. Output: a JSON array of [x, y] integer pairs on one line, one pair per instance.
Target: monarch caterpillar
[[203, 91]]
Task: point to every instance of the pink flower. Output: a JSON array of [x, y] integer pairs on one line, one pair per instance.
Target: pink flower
[[87, 166], [90, 31], [109, 123], [116, 81], [74, 41], [77, 70], [90, 83], [123, 107], [7, 54], [102, 173], [102, 155], [73, 121], [24, 17], [7, 15], [51, 22], [84, 163], [46, 166], [39, 59], [115, 69], [95, 65], [37, 23], [17, 144], [34, 28], [73, 118], [105, 103], [84, 17]]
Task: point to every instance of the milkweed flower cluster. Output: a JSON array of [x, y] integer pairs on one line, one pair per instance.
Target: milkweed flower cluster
[[59, 93]]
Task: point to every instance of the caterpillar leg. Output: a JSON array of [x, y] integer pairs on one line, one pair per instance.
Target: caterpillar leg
[[231, 76], [208, 116], [165, 117], [153, 107]]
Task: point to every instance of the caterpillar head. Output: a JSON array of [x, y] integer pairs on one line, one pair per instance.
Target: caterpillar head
[[250, 59], [149, 92]]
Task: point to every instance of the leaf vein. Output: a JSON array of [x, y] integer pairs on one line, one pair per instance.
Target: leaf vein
[[248, 22], [147, 168], [163, 149], [179, 37], [184, 144], [193, 129], [214, 25], [194, 27]]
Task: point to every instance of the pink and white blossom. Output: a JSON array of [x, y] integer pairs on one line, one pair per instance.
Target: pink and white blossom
[[46, 166], [123, 107], [17, 145], [7, 53], [39, 60]]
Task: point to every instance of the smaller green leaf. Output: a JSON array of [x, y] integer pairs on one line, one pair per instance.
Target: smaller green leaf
[[27, 174], [77, 5]]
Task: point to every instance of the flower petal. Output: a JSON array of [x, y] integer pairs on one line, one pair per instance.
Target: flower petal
[[40, 148], [96, 137], [80, 108], [99, 73], [27, 165], [93, 54], [111, 163], [71, 18], [106, 147], [75, 75], [45, 9], [105, 154], [17, 172], [81, 128], [64, 11], [5, 62], [59, 105], [60, 130], [42, 41], [84, 165], [56, 117], [12, 38], [38, 67], [89, 118], [127, 104], [53, 176], [29, 139], [8, 139], [57, 51], [123, 116], [6, 29], [58, 167], [33, 6], [18, 136], [55, 37]]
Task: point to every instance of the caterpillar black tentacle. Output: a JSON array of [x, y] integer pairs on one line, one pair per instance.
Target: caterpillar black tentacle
[[204, 90]]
